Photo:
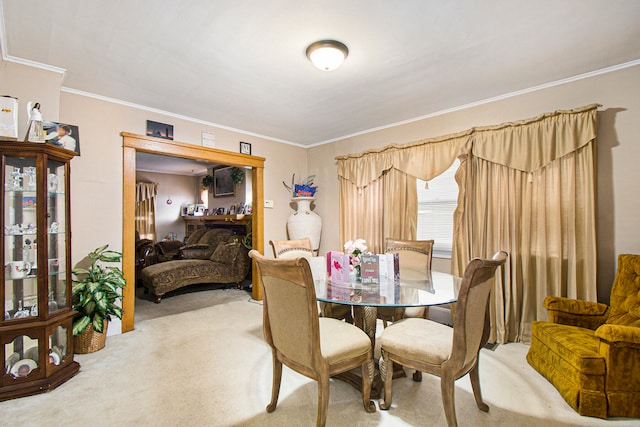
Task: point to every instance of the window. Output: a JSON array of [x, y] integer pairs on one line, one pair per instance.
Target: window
[[435, 210]]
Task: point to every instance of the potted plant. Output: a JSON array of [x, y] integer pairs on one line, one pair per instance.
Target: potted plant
[[237, 175], [95, 298], [207, 181]]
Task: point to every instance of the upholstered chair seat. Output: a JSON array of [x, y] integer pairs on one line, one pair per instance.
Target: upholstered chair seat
[[590, 352]]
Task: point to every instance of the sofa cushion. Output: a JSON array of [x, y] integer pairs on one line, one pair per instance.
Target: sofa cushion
[[206, 244], [625, 292], [578, 347], [226, 253]]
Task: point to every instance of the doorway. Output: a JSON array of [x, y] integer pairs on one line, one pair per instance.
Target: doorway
[[132, 144]]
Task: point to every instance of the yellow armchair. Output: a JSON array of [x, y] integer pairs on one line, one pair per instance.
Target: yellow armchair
[[590, 351]]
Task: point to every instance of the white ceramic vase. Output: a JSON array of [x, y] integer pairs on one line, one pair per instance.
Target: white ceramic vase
[[304, 222]]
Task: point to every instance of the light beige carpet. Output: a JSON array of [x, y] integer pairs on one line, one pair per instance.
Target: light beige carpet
[[210, 367]]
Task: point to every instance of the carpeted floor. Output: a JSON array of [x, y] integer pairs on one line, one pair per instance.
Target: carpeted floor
[[209, 366]]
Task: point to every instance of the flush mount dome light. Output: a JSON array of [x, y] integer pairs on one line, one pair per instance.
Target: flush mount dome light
[[327, 55]]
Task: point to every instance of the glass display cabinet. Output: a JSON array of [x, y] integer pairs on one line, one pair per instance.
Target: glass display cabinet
[[36, 342]]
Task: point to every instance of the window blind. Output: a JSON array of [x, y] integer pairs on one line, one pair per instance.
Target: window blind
[[435, 210]]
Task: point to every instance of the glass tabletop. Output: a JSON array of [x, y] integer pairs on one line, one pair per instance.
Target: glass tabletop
[[414, 289]]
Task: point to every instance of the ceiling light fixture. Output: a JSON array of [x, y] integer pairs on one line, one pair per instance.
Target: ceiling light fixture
[[327, 55]]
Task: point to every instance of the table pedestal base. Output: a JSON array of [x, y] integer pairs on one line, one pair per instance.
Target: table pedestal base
[[366, 318]]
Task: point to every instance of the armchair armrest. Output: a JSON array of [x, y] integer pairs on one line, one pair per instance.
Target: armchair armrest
[[620, 334], [567, 311]]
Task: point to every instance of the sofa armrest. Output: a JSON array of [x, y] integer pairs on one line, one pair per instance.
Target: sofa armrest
[[567, 311], [620, 334], [147, 256]]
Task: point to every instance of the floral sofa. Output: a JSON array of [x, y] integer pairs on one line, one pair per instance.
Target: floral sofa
[[218, 256]]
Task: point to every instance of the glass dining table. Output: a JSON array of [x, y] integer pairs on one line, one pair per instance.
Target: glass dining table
[[415, 288]]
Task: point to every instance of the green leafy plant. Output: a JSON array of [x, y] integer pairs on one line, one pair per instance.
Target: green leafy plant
[[207, 181], [95, 291], [237, 175]]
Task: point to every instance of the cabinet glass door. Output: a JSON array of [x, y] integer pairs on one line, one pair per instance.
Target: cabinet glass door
[[20, 245], [22, 355], [56, 232]]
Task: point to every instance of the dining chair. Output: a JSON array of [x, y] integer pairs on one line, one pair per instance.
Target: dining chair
[[302, 248], [415, 254], [449, 353], [316, 347]]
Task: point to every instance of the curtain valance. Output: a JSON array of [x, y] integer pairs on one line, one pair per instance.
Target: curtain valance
[[424, 159], [525, 145], [146, 191], [529, 145]]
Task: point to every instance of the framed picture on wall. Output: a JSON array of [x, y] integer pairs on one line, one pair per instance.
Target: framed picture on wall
[[245, 148], [223, 182], [159, 130]]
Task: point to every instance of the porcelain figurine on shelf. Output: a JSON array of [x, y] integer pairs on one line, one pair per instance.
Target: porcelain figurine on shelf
[[35, 131]]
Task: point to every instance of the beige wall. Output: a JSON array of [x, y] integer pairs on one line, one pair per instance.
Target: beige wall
[[96, 176], [618, 155], [31, 84], [183, 190], [240, 194]]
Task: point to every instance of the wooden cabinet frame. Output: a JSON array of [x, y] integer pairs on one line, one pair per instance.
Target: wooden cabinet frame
[[132, 144]]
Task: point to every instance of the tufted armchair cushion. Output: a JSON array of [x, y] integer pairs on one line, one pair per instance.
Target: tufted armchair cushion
[[590, 351]]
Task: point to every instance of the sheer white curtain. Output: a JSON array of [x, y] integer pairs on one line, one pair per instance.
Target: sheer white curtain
[[146, 193]]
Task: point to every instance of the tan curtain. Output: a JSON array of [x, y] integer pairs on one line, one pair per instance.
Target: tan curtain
[[529, 189], [146, 209], [361, 213], [526, 187], [378, 195]]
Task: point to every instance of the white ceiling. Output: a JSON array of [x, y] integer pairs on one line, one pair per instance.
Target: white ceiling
[[171, 165], [241, 64]]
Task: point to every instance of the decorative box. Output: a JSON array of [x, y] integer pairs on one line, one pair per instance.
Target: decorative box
[[8, 118]]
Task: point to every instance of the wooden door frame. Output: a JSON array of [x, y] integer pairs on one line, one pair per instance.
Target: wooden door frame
[[131, 144]]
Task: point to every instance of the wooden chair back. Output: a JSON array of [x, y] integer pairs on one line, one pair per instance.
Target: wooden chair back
[[292, 248], [290, 313], [471, 322]]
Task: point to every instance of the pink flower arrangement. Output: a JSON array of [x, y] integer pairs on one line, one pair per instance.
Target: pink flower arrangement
[[354, 250]]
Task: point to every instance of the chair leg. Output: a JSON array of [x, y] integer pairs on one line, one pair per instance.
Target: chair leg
[[323, 400], [275, 385], [386, 374], [417, 376], [474, 376], [367, 381], [447, 388]]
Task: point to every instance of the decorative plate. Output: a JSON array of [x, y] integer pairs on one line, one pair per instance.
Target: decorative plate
[[29, 363]]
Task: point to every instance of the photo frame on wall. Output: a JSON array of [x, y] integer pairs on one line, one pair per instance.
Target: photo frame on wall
[[245, 148], [63, 135], [159, 130], [223, 182]]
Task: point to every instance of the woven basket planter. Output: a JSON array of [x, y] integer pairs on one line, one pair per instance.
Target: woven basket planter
[[89, 340]]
